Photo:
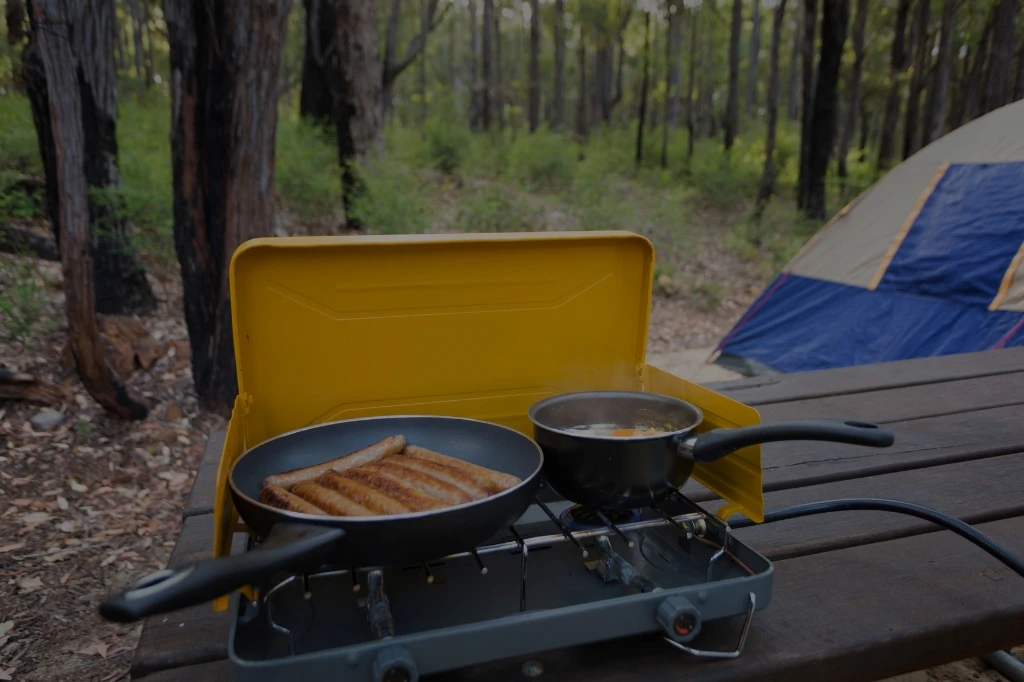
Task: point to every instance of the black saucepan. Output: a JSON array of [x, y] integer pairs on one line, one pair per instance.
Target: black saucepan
[[298, 543], [604, 471]]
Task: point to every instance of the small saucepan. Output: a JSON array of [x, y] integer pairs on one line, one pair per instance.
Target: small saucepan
[[589, 460]]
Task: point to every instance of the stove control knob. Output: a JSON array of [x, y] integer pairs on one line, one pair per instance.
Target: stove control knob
[[679, 618], [395, 664]]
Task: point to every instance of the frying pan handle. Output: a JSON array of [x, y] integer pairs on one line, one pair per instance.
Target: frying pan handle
[[292, 547], [714, 445]]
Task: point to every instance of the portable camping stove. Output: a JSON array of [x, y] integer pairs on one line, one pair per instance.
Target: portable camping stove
[[560, 576]]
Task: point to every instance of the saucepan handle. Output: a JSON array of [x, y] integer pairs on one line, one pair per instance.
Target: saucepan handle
[[292, 547], [716, 444]]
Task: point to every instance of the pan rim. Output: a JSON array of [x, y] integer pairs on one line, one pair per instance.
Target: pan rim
[[323, 519], [531, 414]]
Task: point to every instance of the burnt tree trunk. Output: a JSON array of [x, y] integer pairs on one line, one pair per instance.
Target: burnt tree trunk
[[691, 76], [321, 74], [558, 96], [943, 69], [853, 103], [14, 14], [1000, 63], [732, 104], [911, 137], [645, 75], [767, 186], [119, 280], [794, 66], [487, 73], [898, 65], [534, 85], [835, 17], [810, 22], [752, 58], [52, 42], [224, 72]]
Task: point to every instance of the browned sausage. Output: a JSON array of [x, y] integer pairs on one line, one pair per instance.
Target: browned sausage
[[457, 478], [492, 481], [282, 499], [394, 487], [331, 501], [374, 500], [371, 453], [431, 485]]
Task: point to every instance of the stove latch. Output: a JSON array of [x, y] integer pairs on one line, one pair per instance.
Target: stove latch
[[679, 618]]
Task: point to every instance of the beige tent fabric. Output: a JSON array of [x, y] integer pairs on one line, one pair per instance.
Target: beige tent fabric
[[1014, 298], [851, 249]]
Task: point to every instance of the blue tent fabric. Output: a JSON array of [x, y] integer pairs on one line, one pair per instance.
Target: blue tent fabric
[[801, 324], [964, 237]]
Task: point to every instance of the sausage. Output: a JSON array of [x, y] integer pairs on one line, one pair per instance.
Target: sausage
[[454, 477], [371, 453], [374, 500], [331, 501], [492, 481], [282, 499], [431, 485], [393, 486]]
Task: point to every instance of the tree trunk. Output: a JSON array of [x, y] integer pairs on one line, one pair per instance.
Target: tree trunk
[[752, 58], [865, 129], [558, 96], [708, 92], [476, 88], [940, 85], [764, 192], [671, 82], [810, 17], [834, 20], [794, 66], [423, 75], [148, 42], [652, 117], [853, 103], [118, 279], [674, 75], [534, 83], [14, 13], [911, 136], [732, 104], [898, 65], [498, 98], [133, 9], [975, 90], [394, 67], [224, 72], [488, 76], [1018, 85], [120, 46], [321, 75], [581, 99], [645, 74], [1000, 64], [689, 86], [621, 63], [54, 51]]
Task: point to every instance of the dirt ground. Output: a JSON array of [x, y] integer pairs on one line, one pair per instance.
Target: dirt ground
[[94, 503]]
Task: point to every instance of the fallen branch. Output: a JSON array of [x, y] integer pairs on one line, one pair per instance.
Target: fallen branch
[[18, 241], [18, 386]]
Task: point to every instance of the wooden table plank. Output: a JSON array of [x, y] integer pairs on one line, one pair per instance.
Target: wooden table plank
[[216, 671], [848, 380], [974, 492], [192, 635], [853, 615], [204, 489], [920, 442]]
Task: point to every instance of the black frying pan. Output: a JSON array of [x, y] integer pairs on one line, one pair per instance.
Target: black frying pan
[[298, 543]]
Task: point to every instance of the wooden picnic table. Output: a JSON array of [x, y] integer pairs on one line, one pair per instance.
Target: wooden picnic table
[[857, 596]]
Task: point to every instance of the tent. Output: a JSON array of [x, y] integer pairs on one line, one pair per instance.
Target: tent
[[928, 261]]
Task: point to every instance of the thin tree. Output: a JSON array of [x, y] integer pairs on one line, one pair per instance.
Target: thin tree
[[645, 75], [223, 129], [488, 88], [911, 136], [581, 98], [998, 87], [476, 87], [809, 28], [53, 42], [835, 17], [14, 15], [752, 58], [794, 65], [148, 40], [1018, 85], [534, 84], [767, 186], [898, 64], [691, 77], [558, 96], [393, 67], [498, 98], [136, 15], [118, 278], [856, 76], [321, 71], [671, 80], [732, 104]]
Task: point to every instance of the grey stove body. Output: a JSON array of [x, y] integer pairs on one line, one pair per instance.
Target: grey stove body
[[559, 577]]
